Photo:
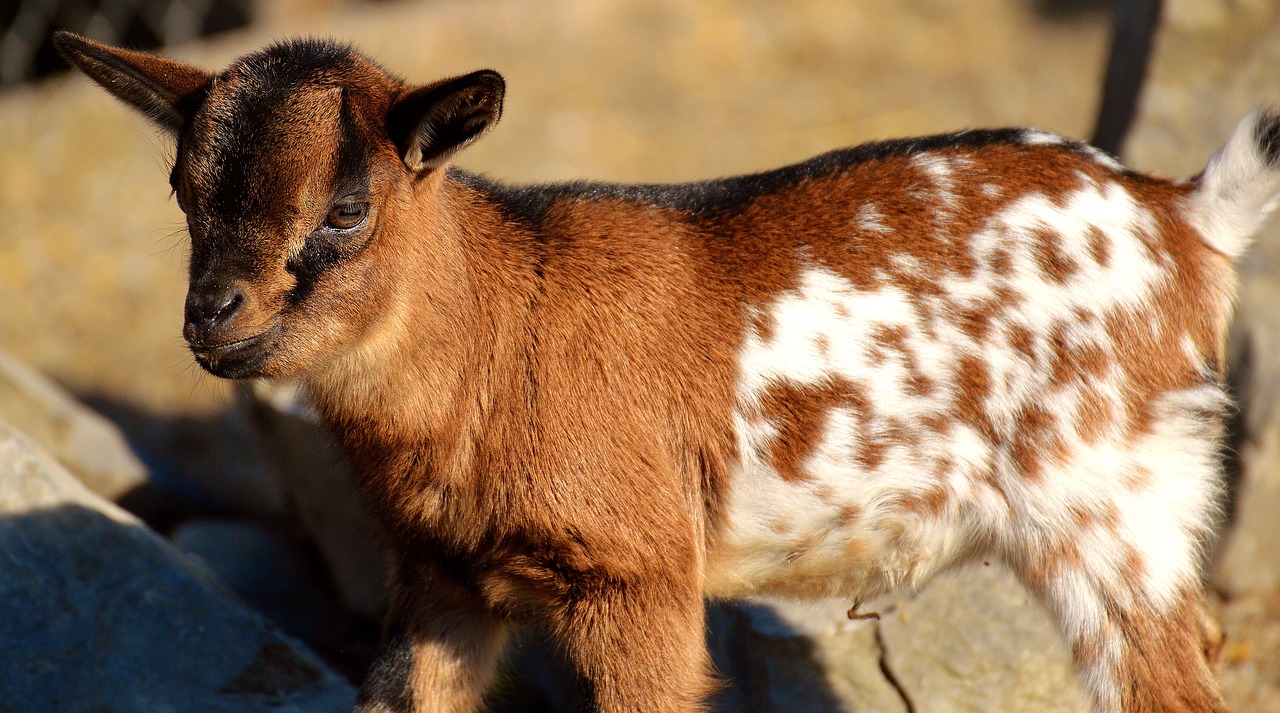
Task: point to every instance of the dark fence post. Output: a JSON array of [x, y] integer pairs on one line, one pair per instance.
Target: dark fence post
[[1133, 33]]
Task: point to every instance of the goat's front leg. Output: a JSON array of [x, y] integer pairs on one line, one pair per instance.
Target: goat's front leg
[[440, 648], [638, 646]]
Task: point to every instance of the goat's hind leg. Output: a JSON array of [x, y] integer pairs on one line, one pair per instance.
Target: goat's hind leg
[[1120, 571], [1141, 656]]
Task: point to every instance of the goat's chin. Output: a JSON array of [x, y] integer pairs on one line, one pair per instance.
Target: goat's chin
[[238, 367], [253, 358]]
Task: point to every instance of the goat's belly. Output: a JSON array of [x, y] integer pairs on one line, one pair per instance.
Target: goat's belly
[[837, 532]]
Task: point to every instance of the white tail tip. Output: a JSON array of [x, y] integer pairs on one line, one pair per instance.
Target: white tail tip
[[1239, 187]]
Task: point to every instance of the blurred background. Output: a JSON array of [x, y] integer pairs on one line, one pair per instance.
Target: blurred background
[[169, 541]]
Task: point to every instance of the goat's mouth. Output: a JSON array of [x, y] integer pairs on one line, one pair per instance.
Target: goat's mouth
[[242, 358]]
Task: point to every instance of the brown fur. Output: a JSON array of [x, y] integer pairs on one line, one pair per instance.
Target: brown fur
[[1162, 648]]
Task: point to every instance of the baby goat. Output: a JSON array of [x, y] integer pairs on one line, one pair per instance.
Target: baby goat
[[586, 406]]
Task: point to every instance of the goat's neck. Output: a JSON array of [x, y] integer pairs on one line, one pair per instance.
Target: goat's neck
[[449, 342]]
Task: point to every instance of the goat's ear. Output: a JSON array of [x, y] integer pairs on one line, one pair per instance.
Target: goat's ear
[[430, 124], [158, 87]]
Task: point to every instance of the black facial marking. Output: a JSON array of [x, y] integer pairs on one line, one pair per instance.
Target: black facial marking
[[322, 252], [352, 155], [239, 142]]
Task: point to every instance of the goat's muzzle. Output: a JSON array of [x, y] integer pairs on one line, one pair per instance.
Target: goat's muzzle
[[215, 331]]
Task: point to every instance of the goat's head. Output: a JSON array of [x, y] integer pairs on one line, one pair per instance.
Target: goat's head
[[289, 166]]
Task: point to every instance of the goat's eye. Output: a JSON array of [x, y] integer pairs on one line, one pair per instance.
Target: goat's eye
[[346, 215]]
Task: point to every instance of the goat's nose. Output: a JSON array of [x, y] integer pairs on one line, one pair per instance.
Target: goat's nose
[[214, 306]]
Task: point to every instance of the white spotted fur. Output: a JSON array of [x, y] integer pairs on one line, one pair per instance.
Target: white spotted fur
[[796, 537], [761, 498]]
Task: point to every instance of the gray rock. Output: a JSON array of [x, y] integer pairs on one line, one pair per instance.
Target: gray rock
[[316, 487], [975, 640], [970, 641], [783, 656], [98, 613], [89, 445], [266, 569], [200, 464]]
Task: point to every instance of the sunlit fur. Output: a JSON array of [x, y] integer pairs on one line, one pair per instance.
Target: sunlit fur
[[583, 407]]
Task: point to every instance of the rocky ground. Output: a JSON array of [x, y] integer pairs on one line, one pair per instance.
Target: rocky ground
[[168, 541]]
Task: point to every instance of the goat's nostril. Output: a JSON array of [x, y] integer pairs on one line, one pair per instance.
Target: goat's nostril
[[214, 308], [231, 306]]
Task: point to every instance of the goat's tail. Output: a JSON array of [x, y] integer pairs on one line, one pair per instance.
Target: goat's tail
[[1239, 188]]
